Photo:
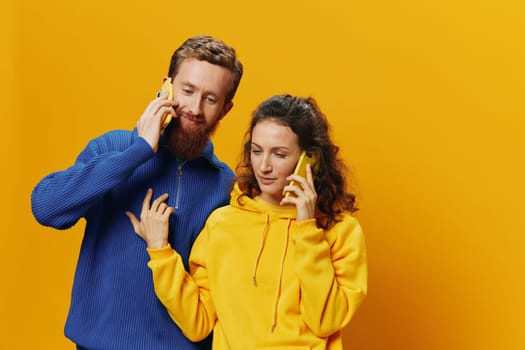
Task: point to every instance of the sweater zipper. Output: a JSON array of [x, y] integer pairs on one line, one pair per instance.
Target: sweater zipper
[[179, 172]]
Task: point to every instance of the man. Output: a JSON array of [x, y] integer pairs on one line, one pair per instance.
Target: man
[[113, 303]]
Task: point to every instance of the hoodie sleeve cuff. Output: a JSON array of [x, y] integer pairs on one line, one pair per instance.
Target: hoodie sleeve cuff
[[160, 253], [307, 224]]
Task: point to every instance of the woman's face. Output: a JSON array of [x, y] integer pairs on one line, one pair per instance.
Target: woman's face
[[274, 154]]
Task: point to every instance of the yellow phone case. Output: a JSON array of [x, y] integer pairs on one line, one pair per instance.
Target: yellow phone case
[[300, 168], [166, 87]]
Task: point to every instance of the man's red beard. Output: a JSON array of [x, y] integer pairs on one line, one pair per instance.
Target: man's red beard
[[188, 143]]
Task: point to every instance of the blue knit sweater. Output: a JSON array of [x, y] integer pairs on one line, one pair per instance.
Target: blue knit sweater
[[113, 303]]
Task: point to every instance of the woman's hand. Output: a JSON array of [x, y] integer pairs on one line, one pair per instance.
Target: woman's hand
[[304, 196], [154, 219]]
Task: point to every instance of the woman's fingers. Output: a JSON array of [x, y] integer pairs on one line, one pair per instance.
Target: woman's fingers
[[159, 204], [134, 221], [147, 201]]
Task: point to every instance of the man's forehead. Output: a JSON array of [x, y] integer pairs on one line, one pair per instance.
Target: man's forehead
[[204, 75]]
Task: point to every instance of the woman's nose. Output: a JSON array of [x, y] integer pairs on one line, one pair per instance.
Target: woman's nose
[[265, 165]]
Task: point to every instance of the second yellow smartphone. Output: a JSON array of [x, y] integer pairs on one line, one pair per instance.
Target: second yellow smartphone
[[300, 168], [166, 87]]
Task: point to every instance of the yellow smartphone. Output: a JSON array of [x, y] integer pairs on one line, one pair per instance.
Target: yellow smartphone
[[300, 168], [166, 87]]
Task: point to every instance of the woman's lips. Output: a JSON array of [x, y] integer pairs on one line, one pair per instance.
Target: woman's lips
[[266, 180]]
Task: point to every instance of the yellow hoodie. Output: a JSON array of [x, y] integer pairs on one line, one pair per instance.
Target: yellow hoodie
[[261, 280]]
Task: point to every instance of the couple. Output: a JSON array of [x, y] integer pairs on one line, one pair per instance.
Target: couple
[[263, 271]]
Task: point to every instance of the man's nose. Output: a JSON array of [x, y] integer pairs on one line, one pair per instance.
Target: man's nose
[[194, 104]]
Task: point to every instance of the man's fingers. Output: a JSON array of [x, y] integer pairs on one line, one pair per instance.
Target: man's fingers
[[166, 110]]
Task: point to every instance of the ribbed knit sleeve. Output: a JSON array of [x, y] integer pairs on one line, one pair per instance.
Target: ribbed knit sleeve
[[60, 199], [332, 268]]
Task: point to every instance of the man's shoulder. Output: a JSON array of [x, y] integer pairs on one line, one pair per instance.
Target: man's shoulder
[[117, 134], [213, 159], [118, 138]]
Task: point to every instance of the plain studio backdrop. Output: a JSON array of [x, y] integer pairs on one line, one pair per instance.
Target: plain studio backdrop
[[426, 100]]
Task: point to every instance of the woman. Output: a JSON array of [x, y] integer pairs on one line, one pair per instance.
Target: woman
[[268, 271]]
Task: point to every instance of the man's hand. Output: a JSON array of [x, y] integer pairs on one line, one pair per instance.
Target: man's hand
[[150, 122], [154, 220]]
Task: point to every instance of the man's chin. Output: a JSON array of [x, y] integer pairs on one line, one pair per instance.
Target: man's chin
[[187, 144]]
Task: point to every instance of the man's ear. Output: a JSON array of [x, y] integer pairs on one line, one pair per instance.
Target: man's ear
[[226, 109]]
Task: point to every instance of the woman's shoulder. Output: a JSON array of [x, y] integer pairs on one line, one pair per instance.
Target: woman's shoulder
[[347, 225], [222, 213]]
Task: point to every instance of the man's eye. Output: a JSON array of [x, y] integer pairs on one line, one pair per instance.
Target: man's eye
[[211, 100], [187, 91]]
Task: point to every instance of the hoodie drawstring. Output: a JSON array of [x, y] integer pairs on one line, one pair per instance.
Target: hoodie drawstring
[[281, 266], [279, 283], [261, 248]]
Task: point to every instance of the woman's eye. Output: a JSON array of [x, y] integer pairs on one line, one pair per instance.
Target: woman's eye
[[280, 155], [256, 151]]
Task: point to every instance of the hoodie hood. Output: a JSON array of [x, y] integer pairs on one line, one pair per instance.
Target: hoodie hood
[[257, 205]]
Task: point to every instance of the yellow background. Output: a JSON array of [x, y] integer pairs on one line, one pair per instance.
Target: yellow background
[[426, 99]]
